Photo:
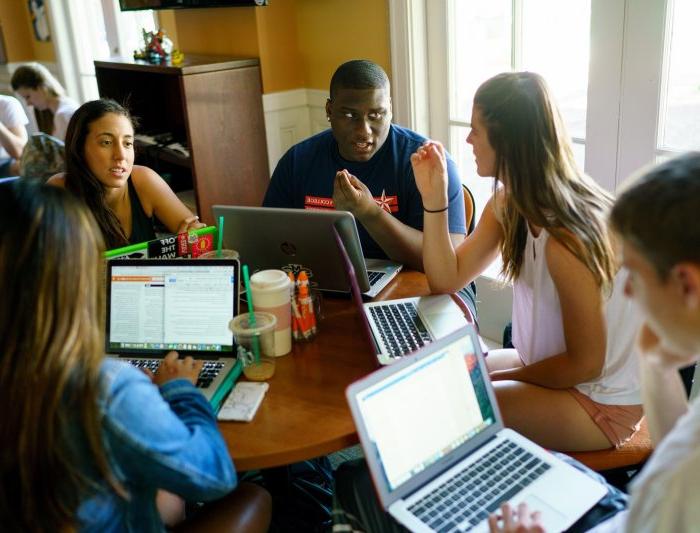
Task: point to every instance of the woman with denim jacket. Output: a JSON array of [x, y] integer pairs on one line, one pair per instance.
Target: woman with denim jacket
[[87, 443]]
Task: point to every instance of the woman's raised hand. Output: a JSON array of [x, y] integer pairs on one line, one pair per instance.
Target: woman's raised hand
[[430, 169]]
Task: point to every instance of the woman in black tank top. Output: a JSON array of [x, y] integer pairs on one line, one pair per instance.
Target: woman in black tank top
[[124, 198]]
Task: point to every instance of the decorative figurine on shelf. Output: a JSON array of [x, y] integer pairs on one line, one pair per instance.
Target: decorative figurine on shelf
[[158, 48]]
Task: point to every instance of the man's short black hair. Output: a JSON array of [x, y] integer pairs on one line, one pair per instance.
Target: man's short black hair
[[358, 74], [658, 214]]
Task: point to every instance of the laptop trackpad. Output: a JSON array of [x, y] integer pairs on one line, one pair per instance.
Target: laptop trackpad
[[442, 315], [552, 520]]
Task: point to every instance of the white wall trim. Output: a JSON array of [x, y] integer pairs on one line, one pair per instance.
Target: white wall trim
[[409, 64], [604, 91], [642, 82], [291, 117], [66, 54]]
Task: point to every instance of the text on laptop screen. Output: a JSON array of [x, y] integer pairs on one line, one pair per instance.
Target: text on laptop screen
[[421, 414], [171, 307]]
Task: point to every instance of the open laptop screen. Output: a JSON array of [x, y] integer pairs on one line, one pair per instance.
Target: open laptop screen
[[419, 415], [159, 305]]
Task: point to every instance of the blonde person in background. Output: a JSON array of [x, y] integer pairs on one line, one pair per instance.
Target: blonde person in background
[[38, 87], [571, 382], [124, 198]]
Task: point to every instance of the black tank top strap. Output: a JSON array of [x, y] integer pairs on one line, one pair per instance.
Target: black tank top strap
[[141, 225]]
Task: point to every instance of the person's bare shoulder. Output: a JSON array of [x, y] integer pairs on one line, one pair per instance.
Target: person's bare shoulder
[[149, 186], [144, 178], [57, 180]]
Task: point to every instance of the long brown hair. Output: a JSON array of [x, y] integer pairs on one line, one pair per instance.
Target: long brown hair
[[543, 184], [51, 319], [80, 180]]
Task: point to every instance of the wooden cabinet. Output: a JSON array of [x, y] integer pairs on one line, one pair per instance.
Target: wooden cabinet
[[211, 105]]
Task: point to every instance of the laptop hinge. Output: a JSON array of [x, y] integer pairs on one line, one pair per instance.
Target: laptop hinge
[[446, 467]]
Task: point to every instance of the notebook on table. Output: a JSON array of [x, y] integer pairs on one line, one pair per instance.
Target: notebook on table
[[398, 327], [158, 305], [439, 456], [271, 237]]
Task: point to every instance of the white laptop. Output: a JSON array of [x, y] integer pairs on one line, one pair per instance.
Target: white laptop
[[271, 237], [439, 456], [158, 305], [401, 326]]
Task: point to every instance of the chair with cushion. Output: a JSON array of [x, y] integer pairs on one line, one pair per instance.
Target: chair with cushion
[[469, 208], [618, 465], [248, 509]]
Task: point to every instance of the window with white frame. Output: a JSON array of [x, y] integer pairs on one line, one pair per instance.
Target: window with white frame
[[625, 74], [679, 117], [89, 30], [485, 37]]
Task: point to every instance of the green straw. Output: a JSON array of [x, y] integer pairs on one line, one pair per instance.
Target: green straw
[[220, 240], [252, 322]]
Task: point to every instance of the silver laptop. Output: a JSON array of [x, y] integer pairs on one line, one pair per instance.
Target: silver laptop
[[401, 326], [438, 453], [158, 305], [270, 237]]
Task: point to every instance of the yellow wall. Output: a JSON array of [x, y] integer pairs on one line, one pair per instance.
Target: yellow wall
[[334, 31], [20, 44], [44, 51], [280, 61], [216, 31], [16, 29], [300, 43]]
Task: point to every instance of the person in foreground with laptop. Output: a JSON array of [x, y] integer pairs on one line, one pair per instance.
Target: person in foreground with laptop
[[656, 219], [571, 383], [362, 165], [124, 198], [89, 443]]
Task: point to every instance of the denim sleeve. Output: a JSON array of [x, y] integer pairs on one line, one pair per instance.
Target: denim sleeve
[[166, 438], [455, 199]]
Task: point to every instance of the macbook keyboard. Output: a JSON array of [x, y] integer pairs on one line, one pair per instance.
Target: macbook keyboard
[[209, 371], [400, 327], [473, 493], [374, 276]]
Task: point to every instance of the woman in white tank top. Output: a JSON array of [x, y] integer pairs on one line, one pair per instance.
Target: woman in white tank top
[[571, 383]]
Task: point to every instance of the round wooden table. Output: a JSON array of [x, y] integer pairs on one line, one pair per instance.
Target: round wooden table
[[304, 413]]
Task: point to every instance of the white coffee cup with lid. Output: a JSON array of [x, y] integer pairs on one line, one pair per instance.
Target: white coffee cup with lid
[[271, 293]]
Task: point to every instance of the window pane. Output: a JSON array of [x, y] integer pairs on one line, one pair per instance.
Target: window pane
[[481, 188], [579, 150], [479, 47], [131, 26], [680, 123], [556, 44], [91, 43]]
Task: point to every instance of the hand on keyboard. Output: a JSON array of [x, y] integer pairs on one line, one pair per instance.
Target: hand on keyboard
[[511, 521], [173, 367]]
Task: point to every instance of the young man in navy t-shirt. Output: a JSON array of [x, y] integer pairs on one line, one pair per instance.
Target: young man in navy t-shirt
[[362, 165]]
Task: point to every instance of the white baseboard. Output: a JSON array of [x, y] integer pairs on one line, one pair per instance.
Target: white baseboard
[[291, 117]]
